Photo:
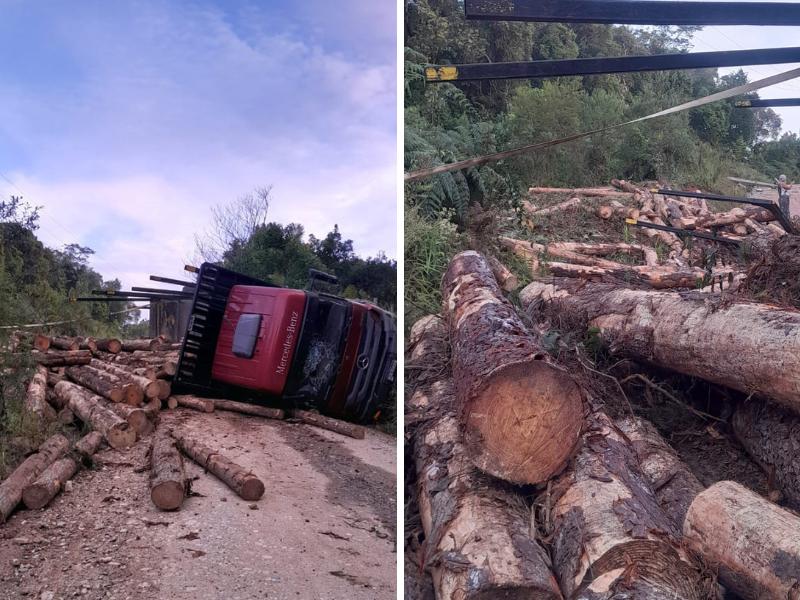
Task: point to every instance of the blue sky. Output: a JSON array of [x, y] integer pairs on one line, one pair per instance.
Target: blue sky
[[128, 120]]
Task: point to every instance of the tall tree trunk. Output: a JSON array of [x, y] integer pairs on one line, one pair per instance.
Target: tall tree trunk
[[522, 414], [89, 408], [167, 477], [49, 484], [28, 471], [754, 545], [754, 348]]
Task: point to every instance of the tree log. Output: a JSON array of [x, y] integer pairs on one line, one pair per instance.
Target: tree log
[[135, 416], [243, 482], [670, 479], [36, 397], [167, 477], [617, 209], [317, 420], [249, 409], [733, 216], [65, 416], [152, 408], [92, 379], [172, 402], [195, 403], [146, 372], [505, 278], [150, 389], [62, 358], [65, 343], [771, 435], [54, 378], [143, 344], [28, 471], [753, 348], [87, 343], [88, 445], [522, 414], [111, 345], [49, 484], [131, 391], [754, 544], [37, 341], [625, 186], [90, 409], [610, 538], [561, 206], [598, 192], [164, 389]]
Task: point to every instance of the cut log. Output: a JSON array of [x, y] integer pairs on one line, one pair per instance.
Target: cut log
[[598, 192], [37, 341], [111, 345], [241, 481], [172, 402], [54, 378], [610, 538], [561, 206], [65, 343], [92, 379], [152, 408], [90, 409], [521, 413], [617, 209], [150, 389], [88, 445], [456, 500], [62, 358], [659, 278], [733, 216], [65, 416], [164, 389], [670, 479], [323, 422], [143, 344], [754, 544], [146, 372], [625, 186], [753, 348], [167, 477], [28, 471], [135, 416], [195, 403], [88, 343], [49, 484], [771, 435], [36, 397], [505, 278], [249, 409]]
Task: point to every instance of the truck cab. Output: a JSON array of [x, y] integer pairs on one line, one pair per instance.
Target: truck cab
[[248, 338]]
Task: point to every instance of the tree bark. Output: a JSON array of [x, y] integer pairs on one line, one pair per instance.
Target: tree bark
[[317, 420], [754, 544], [505, 278], [150, 389], [617, 209], [37, 341], [167, 477], [49, 484], [88, 343], [172, 403], [243, 482], [771, 435], [111, 345], [89, 444], [670, 479], [144, 344], [561, 206], [89, 408], [195, 403], [249, 409], [753, 348], [152, 408], [28, 471], [733, 216], [599, 192], [135, 416], [36, 397], [146, 372], [92, 379], [164, 389], [54, 378], [65, 343], [522, 415], [610, 537], [62, 358]]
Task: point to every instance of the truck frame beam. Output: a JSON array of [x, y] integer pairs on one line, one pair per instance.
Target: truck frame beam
[[765, 102]]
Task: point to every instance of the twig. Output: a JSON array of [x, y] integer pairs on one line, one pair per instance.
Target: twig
[[614, 379], [675, 399]]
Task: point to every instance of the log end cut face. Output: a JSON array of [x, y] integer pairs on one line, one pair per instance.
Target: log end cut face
[[525, 423], [168, 495], [252, 489]]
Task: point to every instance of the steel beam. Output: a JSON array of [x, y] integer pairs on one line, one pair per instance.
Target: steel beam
[[764, 102], [636, 12], [172, 281]]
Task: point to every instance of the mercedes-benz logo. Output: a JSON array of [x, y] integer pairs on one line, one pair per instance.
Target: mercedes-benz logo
[[363, 361]]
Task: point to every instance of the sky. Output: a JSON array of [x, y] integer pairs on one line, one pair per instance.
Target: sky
[[128, 120]]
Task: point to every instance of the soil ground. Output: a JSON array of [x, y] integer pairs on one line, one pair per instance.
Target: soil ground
[[325, 528]]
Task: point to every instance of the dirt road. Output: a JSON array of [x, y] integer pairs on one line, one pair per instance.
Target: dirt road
[[324, 530]]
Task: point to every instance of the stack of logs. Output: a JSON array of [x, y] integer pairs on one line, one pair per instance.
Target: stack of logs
[[615, 513], [751, 224], [117, 388]]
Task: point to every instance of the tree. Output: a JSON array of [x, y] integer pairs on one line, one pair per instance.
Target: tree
[[233, 223]]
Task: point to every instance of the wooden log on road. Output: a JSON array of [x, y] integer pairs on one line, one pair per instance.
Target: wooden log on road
[[456, 500], [90, 409], [505, 278], [610, 538], [240, 480], [195, 403], [49, 484], [28, 471], [753, 348], [65, 343], [88, 445], [35, 402], [317, 420], [91, 379], [249, 409], [62, 358], [111, 345], [167, 476], [87, 343], [752, 543], [135, 416], [150, 389], [771, 435], [521, 413], [142, 344]]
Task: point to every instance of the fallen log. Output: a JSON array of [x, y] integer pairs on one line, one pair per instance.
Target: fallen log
[[36, 341], [172, 403], [617, 209], [581, 253], [143, 344], [88, 445], [753, 348], [164, 389], [752, 543], [146, 372], [54, 378], [28, 471], [598, 192], [91, 379], [90, 409], [556, 208], [249, 409], [243, 482], [49, 484], [670, 479], [456, 500], [625, 186], [323, 422], [659, 278], [150, 389], [88, 343], [771, 435], [733, 216], [610, 538], [135, 416], [65, 416], [167, 477], [65, 343], [62, 358], [195, 403], [505, 278], [522, 414], [111, 345], [131, 392], [36, 397], [152, 408]]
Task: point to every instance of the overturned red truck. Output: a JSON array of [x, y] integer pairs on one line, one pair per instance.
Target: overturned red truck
[[249, 338]]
